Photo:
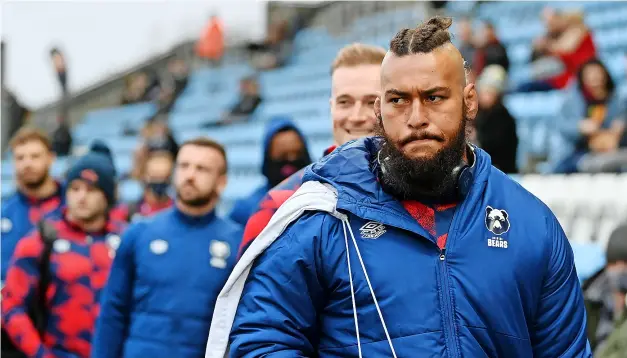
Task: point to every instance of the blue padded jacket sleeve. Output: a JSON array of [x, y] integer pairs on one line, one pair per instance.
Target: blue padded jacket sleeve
[[277, 315], [113, 322], [560, 323]]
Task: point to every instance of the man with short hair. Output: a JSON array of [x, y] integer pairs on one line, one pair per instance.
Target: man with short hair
[[51, 297], [410, 244], [37, 195], [171, 266], [354, 88]]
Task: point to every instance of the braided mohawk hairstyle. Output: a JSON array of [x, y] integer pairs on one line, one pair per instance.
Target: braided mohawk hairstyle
[[424, 38]]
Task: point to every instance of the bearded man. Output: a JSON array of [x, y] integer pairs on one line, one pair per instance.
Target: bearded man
[[410, 244]]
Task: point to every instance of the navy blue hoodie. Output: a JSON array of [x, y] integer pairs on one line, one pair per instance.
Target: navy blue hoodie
[[244, 208]]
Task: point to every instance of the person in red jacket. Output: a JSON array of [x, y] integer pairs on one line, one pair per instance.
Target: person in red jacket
[[355, 81], [80, 255]]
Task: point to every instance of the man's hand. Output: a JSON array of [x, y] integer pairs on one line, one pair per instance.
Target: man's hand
[[588, 127], [604, 142]]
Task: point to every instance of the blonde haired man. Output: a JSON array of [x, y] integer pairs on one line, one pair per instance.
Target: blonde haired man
[[355, 82]]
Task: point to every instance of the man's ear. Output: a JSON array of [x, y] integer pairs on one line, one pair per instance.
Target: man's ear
[[377, 107], [471, 101], [221, 185]]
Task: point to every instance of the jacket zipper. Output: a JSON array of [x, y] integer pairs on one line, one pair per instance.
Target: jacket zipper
[[449, 312], [448, 306], [90, 240]]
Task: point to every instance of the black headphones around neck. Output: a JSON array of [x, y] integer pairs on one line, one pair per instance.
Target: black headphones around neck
[[463, 173]]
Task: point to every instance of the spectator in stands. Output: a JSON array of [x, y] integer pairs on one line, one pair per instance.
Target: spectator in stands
[[558, 55], [605, 295], [592, 123], [50, 300], [466, 41], [169, 269], [176, 81], [134, 88], [335, 273], [141, 87], [37, 192], [14, 114], [495, 126], [249, 100], [489, 50], [275, 50], [156, 136], [60, 69], [156, 181], [355, 85], [210, 46], [284, 153], [62, 137]]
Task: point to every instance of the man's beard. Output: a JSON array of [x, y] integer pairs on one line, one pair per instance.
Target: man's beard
[[429, 178], [36, 183], [199, 201]]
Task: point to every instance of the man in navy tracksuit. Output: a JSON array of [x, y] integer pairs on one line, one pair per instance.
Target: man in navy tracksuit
[[170, 267], [407, 245], [37, 195]]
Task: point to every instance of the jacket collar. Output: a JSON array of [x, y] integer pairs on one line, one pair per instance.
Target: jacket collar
[[351, 170]]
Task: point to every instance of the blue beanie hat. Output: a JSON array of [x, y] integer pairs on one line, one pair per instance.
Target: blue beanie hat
[[98, 146], [96, 168]]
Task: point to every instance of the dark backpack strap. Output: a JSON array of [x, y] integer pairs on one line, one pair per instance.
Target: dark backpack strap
[[48, 235]]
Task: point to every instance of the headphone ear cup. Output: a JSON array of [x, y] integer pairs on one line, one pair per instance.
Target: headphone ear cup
[[464, 181]]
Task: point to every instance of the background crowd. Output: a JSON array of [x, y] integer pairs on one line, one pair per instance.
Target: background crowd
[[552, 86]]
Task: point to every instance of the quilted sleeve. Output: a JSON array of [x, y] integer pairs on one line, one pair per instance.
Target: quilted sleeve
[[277, 315], [560, 325]]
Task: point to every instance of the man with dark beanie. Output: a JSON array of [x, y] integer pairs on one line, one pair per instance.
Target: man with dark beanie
[[68, 258], [605, 296]]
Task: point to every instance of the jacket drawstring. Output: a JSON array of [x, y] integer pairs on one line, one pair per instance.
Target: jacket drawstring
[[345, 224]]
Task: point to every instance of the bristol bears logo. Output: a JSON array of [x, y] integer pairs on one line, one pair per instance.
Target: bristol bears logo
[[496, 220], [372, 230]]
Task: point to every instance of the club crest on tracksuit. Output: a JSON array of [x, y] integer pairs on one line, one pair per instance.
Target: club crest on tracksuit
[[497, 221], [158, 247], [61, 246], [219, 251], [6, 225], [113, 242]]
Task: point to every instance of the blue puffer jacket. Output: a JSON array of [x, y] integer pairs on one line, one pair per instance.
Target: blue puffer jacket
[[504, 286]]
